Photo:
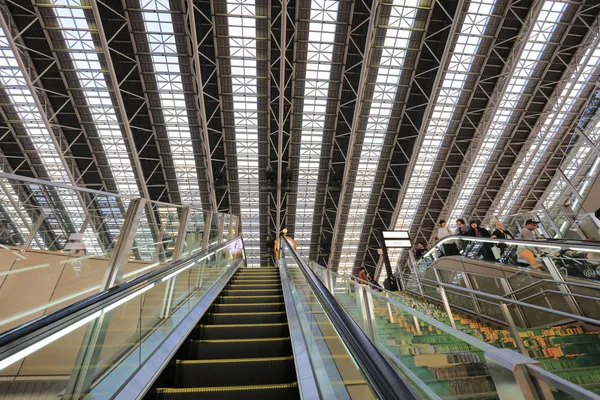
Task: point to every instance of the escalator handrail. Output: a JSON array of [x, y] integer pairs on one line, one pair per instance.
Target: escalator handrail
[[383, 377], [102, 299], [554, 243]]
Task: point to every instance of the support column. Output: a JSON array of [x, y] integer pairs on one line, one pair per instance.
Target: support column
[[84, 369]]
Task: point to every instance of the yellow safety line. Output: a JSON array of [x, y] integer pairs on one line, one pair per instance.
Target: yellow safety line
[[250, 313], [243, 340], [242, 325], [249, 297], [228, 388], [235, 360], [249, 304]]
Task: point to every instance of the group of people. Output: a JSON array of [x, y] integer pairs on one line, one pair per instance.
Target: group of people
[[528, 253]]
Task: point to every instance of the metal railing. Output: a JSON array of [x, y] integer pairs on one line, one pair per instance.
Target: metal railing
[[567, 281], [84, 332], [515, 375], [53, 253], [383, 378]]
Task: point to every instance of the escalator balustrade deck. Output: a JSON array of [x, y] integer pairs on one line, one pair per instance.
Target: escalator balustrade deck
[[241, 348]]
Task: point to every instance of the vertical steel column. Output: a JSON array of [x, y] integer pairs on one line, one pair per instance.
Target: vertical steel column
[[468, 285], [221, 227], [513, 329], [207, 229], [34, 229], [120, 254], [444, 297], [184, 218], [363, 308], [564, 288], [84, 369], [177, 252], [511, 377], [508, 291]]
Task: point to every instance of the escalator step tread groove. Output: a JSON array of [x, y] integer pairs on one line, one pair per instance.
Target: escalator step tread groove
[[235, 360], [242, 340]]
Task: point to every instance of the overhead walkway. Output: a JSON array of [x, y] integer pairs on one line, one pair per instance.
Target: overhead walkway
[[203, 327], [457, 342]]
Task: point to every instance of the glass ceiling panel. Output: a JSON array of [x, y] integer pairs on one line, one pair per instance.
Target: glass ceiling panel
[[394, 49], [82, 50], [461, 61], [165, 60], [541, 34], [321, 38], [241, 21], [560, 117], [16, 89]]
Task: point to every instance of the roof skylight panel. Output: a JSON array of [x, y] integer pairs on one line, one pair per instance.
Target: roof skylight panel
[[397, 36], [320, 44], [82, 50], [461, 61], [17, 91], [541, 34], [241, 21], [165, 61], [551, 125]]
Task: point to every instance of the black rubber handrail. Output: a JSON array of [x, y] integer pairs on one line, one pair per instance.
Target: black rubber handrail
[[384, 379], [101, 299]]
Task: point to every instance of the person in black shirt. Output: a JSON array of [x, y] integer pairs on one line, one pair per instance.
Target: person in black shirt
[[478, 231], [500, 233], [420, 250]]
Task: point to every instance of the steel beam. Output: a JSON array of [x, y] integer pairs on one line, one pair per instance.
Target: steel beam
[[356, 134], [493, 105], [202, 120], [571, 77]]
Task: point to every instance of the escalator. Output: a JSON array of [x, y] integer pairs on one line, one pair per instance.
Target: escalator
[[240, 349], [456, 352], [204, 327]]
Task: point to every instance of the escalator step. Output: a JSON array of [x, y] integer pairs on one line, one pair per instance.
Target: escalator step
[[242, 331], [238, 348], [235, 372], [253, 392], [249, 281], [258, 285], [254, 317], [249, 299], [249, 307], [252, 292]]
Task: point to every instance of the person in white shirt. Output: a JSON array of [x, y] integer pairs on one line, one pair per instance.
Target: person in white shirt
[[450, 249]]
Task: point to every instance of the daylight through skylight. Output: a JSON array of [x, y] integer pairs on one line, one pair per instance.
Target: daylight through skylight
[[241, 21], [394, 49], [463, 55], [542, 32], [165, 61], [321, 38], [560, 116]]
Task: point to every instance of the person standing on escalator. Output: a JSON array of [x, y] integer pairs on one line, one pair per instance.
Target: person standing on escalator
[[529, 253], [478, 231], [450, 248], [500, 233]]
